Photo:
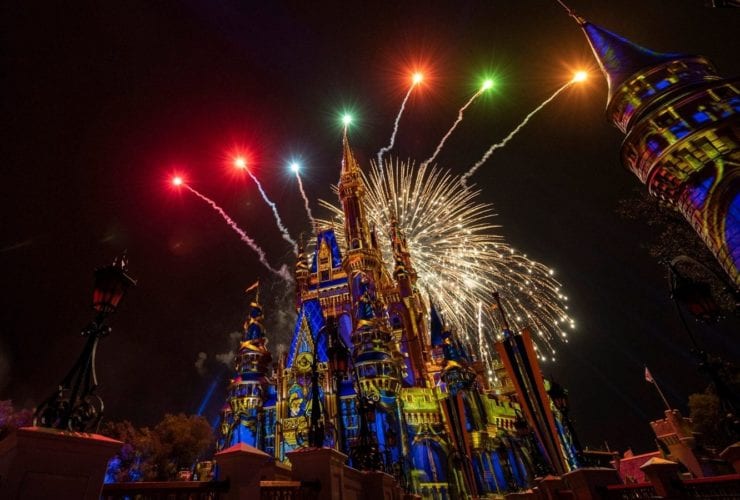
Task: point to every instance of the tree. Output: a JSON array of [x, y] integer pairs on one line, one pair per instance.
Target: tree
[[11, 419], [718, 428], [672, 237], [157, 454], [183, 439]]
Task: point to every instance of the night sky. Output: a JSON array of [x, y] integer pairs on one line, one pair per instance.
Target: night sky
[[103, 102]]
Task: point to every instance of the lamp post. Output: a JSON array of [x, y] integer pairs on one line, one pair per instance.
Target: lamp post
[[74, 405], [315, 428], [559, 397], [697, 298], [338, 355], [365, 454]]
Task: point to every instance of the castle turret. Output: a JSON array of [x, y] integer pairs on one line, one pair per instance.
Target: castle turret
[[406, 310], [351, 194], [682, 132], [242, 420]]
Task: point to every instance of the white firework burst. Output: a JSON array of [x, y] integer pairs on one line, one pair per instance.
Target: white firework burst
[[460, 259]]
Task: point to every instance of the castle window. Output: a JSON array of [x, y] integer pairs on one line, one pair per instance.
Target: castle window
[[656, 144], [665, 120], [722, 93], [663, 84], [395, 321], [648, 92], [701, 117], [680, 130], [735, 103]]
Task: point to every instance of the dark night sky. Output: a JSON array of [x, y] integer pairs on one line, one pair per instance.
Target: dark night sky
[[102, 102]]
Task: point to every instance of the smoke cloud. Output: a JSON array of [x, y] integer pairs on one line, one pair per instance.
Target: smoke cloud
[[200, 363]]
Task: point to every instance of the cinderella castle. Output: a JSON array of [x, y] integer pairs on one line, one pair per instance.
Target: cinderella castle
[[374, 372]]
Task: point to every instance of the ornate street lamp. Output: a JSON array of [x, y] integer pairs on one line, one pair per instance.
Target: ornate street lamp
[[338, 356], [316, 433], [364, 453], [74, 405], [697, 297], [559, 397]]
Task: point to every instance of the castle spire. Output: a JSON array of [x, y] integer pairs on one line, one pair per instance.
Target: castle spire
[[349, 163], [351, 194], [618, 58], [669, 105]]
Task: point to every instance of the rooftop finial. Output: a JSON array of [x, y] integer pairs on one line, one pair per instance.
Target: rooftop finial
[[571, 12]]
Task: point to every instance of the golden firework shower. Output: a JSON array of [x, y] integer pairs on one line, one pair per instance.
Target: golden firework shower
[[460, 258]]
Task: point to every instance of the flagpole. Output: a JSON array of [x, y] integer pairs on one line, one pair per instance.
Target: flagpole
[[668, 406], [649, 377]]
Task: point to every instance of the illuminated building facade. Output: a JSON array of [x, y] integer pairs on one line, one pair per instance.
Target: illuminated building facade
[[373, 372], [682, 138]]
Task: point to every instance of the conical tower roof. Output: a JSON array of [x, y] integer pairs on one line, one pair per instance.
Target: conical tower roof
[[349, 163], [619, 58]]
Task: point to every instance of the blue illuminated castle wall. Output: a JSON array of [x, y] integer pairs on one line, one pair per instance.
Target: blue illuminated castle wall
[[397, 390]]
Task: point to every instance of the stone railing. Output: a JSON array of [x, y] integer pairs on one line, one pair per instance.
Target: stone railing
[[663, 481], [712, 487], [289, 490], [630, 491], [180, 490]]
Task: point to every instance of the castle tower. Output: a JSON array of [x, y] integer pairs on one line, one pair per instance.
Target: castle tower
[[406, 311], [682, 134], [242, 419], [375, 356], [516, 351]]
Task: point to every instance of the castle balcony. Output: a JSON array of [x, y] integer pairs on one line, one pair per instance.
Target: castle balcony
[[435, 491]]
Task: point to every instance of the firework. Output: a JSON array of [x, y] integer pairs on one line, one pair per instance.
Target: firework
[[460, 259], [282, 272], [505, 141], [306, 204], [486, 85], [241, 163], [417, 78]]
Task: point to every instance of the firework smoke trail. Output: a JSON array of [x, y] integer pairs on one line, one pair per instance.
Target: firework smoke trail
[[505, 141], [305, 202], [459, 257], [395, 128], [278, 220], [452, 129], [282, 272]]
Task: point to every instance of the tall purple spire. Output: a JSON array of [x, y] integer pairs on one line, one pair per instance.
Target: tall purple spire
[[619, 58]]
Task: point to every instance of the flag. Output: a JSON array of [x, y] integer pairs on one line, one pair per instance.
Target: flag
[[251, 287], [648, 376]]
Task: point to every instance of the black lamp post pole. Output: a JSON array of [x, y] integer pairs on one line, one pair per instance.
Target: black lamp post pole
[[338, 363], [74, 405], [365, 454], [681, 286], [316, 428]]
